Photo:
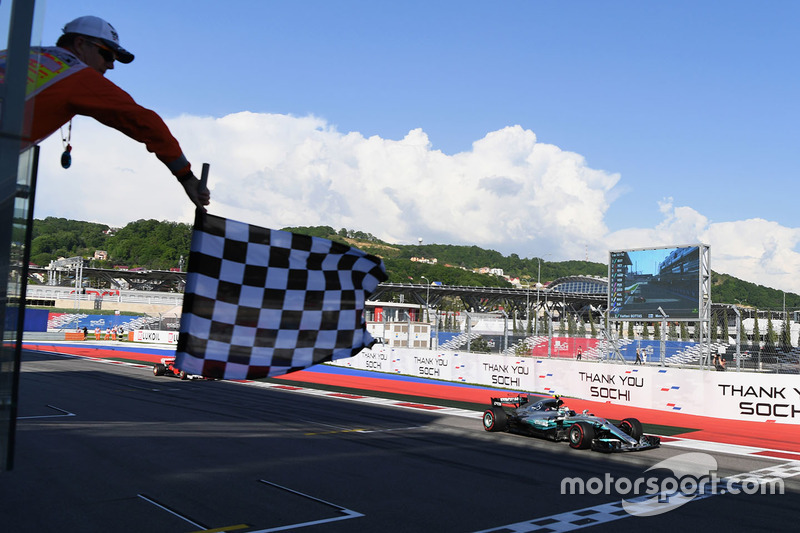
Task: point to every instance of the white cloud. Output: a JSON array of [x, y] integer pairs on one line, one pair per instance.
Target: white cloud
[[510, 192], [756, 250]]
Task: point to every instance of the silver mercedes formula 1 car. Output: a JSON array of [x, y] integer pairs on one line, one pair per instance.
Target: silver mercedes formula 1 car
[[549, 418]]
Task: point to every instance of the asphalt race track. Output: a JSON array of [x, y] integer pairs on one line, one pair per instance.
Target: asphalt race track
[[113, 448]]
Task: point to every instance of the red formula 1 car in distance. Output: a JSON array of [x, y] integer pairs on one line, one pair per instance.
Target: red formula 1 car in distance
[[167, 368]]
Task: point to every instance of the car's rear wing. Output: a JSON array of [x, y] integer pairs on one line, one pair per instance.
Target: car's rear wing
[[515, 400]]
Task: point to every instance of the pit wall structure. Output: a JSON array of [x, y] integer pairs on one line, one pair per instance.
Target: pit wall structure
[[727, 395]]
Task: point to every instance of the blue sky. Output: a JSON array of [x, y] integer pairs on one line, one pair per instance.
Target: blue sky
[[652, 123]]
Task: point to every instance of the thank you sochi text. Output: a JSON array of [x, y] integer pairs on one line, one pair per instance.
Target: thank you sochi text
[[505, 375], [611, 386], [765, 402]]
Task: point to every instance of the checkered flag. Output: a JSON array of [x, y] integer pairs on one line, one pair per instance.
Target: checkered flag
[[261, 302]]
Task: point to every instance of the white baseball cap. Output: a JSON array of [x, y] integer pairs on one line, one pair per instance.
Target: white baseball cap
[[102, 30]]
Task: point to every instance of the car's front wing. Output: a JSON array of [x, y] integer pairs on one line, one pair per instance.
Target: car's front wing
[[611, 445]]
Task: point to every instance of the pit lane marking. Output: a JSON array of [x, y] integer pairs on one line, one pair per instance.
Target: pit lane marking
[[192, 522], [609, 512], [62, 415], [346, 513], [171, 511], [223, 529]]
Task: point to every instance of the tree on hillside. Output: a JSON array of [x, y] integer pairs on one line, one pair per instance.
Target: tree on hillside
[[399, 271], [722, 320], [325, 232], [742, 333], [756, 332], [786, 334], [52, 238], [772, 337], [150, 244]]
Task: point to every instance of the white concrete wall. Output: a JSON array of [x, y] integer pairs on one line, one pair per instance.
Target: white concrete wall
[[729, 395]]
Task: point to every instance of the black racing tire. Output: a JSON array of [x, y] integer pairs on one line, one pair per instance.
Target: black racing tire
[[581, 435], [632, 427], [159, 369], [183, 375], [495, 419]]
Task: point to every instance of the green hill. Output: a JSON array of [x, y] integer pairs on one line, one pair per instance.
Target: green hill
[[160, 245]]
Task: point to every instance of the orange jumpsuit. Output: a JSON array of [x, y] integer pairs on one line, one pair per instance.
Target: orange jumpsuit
[[61, 86]]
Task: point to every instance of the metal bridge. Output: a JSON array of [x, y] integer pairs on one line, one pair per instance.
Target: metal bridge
[[484, 299], [479, 299]]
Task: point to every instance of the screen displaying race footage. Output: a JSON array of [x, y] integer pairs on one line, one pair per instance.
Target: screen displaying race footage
[[642, 281]]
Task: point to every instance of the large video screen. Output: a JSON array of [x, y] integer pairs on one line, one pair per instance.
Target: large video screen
[[642, 281]]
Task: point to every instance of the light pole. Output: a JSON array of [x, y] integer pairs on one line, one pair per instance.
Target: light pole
[[427, 314], [739, 329], [742, 303], [528, 309], [538, 290], [427, 294]]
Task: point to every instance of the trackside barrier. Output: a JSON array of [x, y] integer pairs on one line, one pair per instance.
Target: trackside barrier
[[730, 395], [160, 337]]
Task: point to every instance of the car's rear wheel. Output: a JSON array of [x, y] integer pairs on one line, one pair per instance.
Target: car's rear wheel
[[632, 427], [581, 435], [495, 419], [159, 369]]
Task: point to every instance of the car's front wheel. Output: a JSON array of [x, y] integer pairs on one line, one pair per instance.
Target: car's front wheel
[[495, 419], [632, 427], [581, 435]]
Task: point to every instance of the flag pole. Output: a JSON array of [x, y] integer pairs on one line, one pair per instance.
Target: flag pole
[[204, 176]]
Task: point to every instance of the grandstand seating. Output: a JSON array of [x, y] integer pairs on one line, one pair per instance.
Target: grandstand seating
[[526, 345], [60, 322], [456, 342], [67, 319]]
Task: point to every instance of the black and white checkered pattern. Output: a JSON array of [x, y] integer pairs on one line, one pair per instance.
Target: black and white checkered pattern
[[262, 302]]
